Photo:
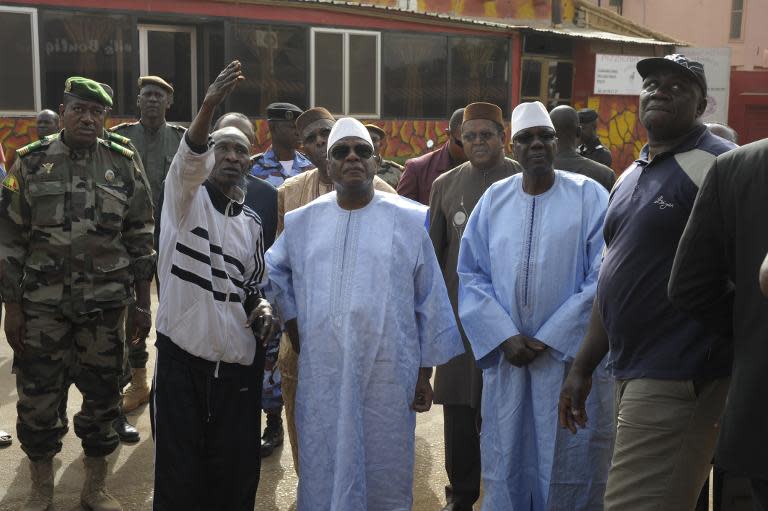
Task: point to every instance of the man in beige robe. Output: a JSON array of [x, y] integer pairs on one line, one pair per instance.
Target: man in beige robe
[[313, 126]]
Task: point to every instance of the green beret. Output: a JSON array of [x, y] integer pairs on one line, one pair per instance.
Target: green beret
[[87, 89]]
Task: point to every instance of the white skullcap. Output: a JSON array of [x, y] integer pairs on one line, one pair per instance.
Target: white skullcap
[[529, 115], [230, 133], [348, 127]]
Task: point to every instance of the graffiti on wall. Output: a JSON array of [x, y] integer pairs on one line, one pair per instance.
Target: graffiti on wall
[[618, 127], [405, 138], [16, 132]]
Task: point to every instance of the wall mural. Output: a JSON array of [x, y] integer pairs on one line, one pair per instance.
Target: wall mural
[[404, 138], [618, 127]]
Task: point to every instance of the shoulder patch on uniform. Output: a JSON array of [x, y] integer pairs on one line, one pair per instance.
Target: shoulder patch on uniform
[[34, 146], [117, 148], [123, 125], [11, 183], [696, 164], [118, 138]]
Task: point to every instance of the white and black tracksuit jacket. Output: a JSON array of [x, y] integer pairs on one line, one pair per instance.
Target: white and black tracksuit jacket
[[210, 259]]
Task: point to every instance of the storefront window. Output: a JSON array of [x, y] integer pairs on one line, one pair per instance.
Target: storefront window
[[18, 73], [478, 72], [274, 62], [100, 47], [345, 71], [414, 75], [547, 80]]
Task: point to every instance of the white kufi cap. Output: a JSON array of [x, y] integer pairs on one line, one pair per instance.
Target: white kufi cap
[[529, 115], [230, 133], [348, 127]]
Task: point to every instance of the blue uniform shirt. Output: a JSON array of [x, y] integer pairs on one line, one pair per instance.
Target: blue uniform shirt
[[648, 210], [267, 167]]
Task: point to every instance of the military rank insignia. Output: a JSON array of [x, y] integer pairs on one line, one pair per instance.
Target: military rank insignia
[[11, 183]]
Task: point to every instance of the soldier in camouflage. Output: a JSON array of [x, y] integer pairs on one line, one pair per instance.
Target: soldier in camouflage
[[157, 142], [75, 249], [389, 171]]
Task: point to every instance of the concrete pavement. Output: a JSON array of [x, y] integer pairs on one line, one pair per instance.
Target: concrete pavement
[[130, 476]]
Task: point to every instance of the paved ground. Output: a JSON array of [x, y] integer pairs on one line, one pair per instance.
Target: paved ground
[[131, 465]]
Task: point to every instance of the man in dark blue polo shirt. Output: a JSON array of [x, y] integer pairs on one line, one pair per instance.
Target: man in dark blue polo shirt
[[672, 374]]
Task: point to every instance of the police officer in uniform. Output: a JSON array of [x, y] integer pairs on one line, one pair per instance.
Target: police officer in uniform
[[591, 147], [282, 159], [388, 170], [75, 249], [156, 141]]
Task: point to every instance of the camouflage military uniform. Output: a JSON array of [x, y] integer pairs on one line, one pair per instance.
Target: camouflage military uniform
[[75, 232], [156, 149], [390, 172]]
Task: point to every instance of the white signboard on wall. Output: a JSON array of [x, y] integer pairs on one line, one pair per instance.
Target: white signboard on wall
[[717, 68], [616, 74]]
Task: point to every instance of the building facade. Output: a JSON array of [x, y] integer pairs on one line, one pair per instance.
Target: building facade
[[738, 25], [387, 61]]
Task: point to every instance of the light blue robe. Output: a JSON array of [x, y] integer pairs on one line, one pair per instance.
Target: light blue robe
[[528, 264], [372, 308]]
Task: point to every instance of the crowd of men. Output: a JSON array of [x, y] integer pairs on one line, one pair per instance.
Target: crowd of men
[[597, 340]]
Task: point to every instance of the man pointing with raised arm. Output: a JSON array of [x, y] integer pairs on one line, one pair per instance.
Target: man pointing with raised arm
[[207, 384]]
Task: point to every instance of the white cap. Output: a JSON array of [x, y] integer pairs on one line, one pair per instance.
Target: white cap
[[230, 133], [348, 127], [529, 115]]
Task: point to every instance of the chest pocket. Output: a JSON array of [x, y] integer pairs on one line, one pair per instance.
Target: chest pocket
[[111, 207], [47, 202]]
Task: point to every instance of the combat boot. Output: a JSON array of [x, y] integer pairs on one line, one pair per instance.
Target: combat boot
[[94, 496], [41, 493], [138, 391]]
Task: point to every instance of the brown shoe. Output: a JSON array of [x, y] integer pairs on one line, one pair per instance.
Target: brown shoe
[[137, 392]]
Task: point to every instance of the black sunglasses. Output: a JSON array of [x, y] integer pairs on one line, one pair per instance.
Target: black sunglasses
[[528, 137], [340, 152]]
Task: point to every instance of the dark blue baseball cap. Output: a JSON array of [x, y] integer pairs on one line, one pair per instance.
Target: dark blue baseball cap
[[675, 62]]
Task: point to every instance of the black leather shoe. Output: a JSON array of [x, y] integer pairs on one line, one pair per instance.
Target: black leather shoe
[[125, 431], [272, 437]]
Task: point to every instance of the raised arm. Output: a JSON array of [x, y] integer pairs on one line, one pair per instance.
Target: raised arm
[[194, 160]]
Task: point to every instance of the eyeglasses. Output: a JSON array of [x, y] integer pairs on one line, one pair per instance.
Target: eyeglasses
[[528, 137], [340, 152], [484, 136]]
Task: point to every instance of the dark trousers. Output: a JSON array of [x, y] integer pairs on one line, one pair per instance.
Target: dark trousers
[[759, 494], [206, 452], [461, 425]]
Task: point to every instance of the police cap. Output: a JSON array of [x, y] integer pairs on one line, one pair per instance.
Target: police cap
[[283, 112], [587, 115]]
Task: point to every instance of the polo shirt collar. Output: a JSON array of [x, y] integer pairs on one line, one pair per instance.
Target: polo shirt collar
[[690, 142]]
